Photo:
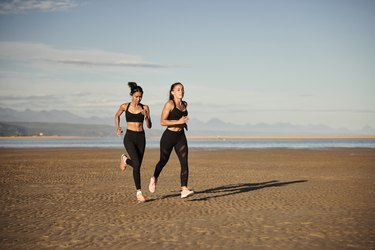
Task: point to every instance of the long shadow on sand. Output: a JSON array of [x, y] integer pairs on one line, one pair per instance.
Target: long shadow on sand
[[233, 189]]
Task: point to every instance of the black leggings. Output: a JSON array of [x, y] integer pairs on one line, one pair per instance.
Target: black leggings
[[168, 141], [135, 143]]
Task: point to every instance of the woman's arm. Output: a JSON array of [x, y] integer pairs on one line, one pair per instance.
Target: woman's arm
[[148, 117], [165, 113], [120, 110]]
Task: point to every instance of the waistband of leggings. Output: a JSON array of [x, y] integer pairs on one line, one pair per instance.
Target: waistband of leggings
[[134, 132], [176, 132]]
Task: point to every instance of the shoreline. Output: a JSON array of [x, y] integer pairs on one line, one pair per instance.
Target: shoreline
[[287, 137], [218, 137]]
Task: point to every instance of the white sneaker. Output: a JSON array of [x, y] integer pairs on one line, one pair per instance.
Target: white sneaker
[[123, 162], [186, 193], [152, 186], [140, 197]]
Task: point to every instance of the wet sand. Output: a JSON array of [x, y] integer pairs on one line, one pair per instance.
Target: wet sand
[[245, 199]]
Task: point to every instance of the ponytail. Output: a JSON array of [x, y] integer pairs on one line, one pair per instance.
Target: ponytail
[[134, 88]]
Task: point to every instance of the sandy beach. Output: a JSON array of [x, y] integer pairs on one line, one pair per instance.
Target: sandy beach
[[245, 199]]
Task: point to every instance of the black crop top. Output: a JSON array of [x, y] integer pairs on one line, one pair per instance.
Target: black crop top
[[130, 117], [176, 114]]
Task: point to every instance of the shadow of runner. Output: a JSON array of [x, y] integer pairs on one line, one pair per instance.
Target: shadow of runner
[[233, 189]]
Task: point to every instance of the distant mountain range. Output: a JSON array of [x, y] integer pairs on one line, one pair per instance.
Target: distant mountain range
[[57, 122], [52, 116]]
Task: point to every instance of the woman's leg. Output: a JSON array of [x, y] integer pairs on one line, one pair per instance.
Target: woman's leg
[[140, 146], [166, 146], [182, 151], [133, 143]]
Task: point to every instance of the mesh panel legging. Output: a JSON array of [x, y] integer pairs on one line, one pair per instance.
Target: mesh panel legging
[[176, 140], [135, 143]]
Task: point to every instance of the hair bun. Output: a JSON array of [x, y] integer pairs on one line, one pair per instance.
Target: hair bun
[[132, 84], [134, 88]]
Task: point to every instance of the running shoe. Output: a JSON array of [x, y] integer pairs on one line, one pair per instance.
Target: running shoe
[[140, 197], [123, 162], [186, 193], [152, 186]]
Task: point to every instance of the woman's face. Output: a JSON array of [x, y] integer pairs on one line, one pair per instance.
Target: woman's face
[[178, 91], [137, 97]]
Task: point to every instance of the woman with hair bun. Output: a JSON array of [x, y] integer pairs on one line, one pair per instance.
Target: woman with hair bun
[[134, 139], [174, 116]]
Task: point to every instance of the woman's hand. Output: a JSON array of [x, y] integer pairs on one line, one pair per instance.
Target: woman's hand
[[119, 131], [183, 120]]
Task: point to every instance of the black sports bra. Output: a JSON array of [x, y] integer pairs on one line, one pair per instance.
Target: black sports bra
[[130, 117], [176, 114]]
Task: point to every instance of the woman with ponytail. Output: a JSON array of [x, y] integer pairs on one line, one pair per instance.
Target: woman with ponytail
[[134, 139], [174, 116]]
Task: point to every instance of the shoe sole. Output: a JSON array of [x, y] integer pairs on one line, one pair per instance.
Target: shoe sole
[[141, 201], [187, 195], [122, 163], [152, 190]]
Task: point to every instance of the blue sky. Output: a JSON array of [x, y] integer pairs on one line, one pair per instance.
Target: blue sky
[[297, 61]]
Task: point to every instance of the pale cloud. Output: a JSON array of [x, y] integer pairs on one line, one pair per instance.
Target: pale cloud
[[45, 54], [21, 6], [36, 102], [28, 98], [111, 64]]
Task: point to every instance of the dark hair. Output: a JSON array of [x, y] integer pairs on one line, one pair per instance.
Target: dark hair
[[134, 88], [171, 97]]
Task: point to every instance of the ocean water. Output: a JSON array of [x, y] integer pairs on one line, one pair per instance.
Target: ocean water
[[116, 142]]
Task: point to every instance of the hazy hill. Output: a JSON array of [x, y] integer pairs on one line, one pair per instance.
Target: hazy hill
[[52, 116], [64, 129], [57, 122], [218, 127]]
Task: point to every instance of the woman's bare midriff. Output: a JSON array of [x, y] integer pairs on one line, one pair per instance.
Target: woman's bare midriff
[[176, 128], [135, 126]]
